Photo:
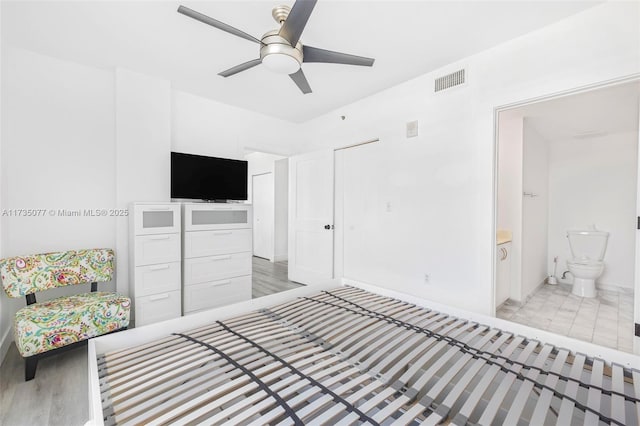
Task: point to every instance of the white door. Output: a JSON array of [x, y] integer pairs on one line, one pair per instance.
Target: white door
[[311, 218], [263, 219]]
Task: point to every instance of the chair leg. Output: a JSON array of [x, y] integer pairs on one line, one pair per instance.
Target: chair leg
[[30, 365]]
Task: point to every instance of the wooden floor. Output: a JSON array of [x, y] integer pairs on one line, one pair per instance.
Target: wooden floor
[[58, 394], [270, 277]]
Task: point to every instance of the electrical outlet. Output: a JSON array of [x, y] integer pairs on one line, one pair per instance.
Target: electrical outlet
[[427, 278]]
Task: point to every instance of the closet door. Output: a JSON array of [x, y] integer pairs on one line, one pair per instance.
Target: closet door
[[311, 218]]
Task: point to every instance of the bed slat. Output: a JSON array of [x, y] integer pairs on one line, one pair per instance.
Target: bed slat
[[348, 356]]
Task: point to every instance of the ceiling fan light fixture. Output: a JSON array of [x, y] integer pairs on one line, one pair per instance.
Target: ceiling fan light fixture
[[278, 55], [281, 63]]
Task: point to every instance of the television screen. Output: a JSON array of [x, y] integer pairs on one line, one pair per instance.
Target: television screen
[[207, 178]]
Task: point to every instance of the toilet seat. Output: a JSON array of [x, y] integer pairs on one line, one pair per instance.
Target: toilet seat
[[586, 268], [585, 263]]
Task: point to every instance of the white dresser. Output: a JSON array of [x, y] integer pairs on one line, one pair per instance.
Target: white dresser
[[217, 243], [154, 261]]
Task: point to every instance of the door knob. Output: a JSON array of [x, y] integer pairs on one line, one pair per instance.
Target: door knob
[[328, 227]]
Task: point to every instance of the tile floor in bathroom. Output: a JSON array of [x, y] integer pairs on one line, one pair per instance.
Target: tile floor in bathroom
[[606, 320]]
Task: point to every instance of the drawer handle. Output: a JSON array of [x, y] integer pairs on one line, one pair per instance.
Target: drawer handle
[[223, 233], [160, 237], [159, 267], [217, 283], [159, 297], [504, 253], [214, 259], [158, 208]]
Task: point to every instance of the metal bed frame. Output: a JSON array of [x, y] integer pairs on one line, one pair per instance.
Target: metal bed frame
[[349, 356]]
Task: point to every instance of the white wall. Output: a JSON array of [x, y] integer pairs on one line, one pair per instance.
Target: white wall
[[441, 183], [593, 181], [535, 210], [143, 162], [281, 174], [205, 127], [509, 200], [57, 153]]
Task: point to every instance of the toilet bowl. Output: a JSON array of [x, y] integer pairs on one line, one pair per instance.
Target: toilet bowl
[[586, 266]]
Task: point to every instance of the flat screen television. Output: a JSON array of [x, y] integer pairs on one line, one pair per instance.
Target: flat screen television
[[207, 178]]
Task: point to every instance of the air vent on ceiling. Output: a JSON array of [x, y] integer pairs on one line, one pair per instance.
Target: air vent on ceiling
[[449, 80]]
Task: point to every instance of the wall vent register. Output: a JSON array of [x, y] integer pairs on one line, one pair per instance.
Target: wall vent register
[[450, 80]]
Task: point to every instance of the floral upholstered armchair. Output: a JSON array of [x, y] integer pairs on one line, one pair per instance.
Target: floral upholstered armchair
[[41, 329]]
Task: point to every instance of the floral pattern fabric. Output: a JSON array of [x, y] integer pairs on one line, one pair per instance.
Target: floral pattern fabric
[[22, 275], [51, 324]]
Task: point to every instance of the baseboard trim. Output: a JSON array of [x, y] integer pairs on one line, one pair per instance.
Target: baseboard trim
[[530, 295], [6, 341], [615, 288], [600, 286], [280, 257]]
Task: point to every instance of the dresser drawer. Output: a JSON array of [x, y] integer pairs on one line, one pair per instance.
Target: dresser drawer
[[153, 249], [157, 307], [212, 243], [158, 278], [212, 268], [216, 293], [206, 217], [156, 218]]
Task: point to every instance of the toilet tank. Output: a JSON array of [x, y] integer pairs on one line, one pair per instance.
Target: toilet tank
[[588, 244]]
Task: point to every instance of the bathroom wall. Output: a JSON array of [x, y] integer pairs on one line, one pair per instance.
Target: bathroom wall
[[535, 209], [509, 205], [523, 166], [593, 181]]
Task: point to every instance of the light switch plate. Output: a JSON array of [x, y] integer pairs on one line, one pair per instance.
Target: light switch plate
[[412, 129]]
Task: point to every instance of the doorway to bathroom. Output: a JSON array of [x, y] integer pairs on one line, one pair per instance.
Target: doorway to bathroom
[[566, 164]]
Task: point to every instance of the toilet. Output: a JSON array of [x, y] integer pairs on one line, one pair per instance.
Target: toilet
[[586, 266]]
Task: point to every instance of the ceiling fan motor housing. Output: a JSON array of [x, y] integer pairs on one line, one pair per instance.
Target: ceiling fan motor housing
[[280, 13], [276, 53]]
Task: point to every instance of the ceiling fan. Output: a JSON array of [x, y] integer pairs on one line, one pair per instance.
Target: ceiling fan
[[280, 49]]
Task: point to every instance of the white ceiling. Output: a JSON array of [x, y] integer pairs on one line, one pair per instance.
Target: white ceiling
[[407, 39], [590, 114]]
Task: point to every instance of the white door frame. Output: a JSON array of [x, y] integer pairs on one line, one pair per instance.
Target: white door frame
[[271, 251], [496, 111]]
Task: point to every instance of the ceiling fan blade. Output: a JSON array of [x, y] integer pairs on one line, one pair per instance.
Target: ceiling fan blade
[[296, 21], [300, 80], [215, 23], [313, 54], [239, 68]]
